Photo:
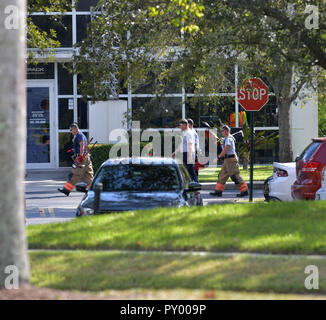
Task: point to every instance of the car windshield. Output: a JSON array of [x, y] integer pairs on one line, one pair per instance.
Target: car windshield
[[139, 178], [310, 149]]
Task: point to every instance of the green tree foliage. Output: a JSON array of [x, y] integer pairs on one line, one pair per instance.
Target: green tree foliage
[[198, 43], [38, 38], [322, 116]]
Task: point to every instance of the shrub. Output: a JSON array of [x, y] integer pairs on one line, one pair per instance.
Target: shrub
[[101, 152]]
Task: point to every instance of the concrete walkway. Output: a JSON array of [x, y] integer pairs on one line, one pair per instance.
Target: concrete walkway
[[44, 204], [198, 253]]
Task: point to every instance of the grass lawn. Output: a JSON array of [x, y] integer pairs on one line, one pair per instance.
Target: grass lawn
[[293, 227], [209, 275], [261, 173]]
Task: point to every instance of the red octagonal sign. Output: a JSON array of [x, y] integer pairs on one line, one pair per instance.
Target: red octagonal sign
[[253, 94]]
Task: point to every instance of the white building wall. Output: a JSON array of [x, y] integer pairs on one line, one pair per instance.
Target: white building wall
[[107, 121], [303, 121]]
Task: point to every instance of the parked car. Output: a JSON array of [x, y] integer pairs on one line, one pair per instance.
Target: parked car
[[321, 193], [278, 186], [309, 166], [141, 183]]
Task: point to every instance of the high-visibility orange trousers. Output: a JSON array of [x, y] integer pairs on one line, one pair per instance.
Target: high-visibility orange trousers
[[83, 172], [230, 169]]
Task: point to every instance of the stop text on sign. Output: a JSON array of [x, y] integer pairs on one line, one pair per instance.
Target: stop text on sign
[[253, 94]]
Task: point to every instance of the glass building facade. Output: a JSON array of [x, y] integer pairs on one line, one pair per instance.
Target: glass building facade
[[53, 85]]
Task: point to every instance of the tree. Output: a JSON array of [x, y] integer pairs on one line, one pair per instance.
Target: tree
[[322, 115], [253, 35], [13, 251], [203, 40], [41, 39], [303, 21]]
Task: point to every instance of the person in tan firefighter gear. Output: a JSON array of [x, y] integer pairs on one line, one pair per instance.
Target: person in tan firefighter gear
[[230, 166], [83, 168]]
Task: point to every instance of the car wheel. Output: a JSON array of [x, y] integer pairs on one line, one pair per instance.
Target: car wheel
[[274, 199], [266, 189]]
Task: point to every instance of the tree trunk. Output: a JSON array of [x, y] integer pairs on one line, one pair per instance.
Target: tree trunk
[[13, 247], [285, 145], [282, 85], [245, 162]]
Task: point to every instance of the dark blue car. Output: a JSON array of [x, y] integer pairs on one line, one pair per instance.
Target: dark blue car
[[139, 183]]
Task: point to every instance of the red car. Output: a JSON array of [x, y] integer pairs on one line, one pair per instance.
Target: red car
[[309, 166]]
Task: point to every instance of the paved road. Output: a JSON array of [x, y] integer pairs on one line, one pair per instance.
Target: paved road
[[44, 204]]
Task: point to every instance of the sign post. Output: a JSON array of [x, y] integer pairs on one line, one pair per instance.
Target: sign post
[[252, 145], [252, 96]]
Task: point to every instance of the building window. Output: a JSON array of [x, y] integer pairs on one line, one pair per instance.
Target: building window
[[65, 143], [66, 112], [82, 22], [84, 5], [65, 80], [62, 26], [212, 110], [158, 112], [153, 83], [82, 114]]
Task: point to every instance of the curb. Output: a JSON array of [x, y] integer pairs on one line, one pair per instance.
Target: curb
[[258, 185], [50, 174]]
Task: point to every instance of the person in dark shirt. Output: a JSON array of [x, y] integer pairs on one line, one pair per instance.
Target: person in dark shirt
[[84, 168]]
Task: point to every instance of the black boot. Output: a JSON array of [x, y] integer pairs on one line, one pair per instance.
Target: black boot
[[64, 191], [216, 193], [242, 194]]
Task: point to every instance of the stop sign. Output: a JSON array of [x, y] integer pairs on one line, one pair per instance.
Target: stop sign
[[253, 94]]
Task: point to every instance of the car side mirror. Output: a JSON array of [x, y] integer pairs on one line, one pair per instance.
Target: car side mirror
[[193, 186], [81, 188], [297, 158]]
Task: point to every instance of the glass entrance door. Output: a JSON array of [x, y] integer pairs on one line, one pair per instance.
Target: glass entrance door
[[39, 153]]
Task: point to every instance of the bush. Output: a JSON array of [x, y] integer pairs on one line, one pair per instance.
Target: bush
[[101, 152]]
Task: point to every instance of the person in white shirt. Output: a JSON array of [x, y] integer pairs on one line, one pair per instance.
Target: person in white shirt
[[191, 128], [187, 147]]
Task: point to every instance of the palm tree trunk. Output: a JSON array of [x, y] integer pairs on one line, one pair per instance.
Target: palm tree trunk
[[13, 248]]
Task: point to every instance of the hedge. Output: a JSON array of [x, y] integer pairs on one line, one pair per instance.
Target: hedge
[[101, 153]]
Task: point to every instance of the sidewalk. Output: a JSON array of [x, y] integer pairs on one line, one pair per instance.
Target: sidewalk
[[61, 174], [44, 204], [258, 185]]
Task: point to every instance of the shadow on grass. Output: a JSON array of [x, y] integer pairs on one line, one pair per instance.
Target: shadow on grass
[[99, 271]]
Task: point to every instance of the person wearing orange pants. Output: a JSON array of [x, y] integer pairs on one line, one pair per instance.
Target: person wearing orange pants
[[83, 168], [230, 168]]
